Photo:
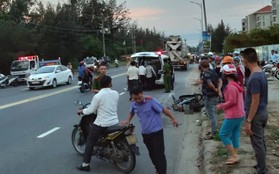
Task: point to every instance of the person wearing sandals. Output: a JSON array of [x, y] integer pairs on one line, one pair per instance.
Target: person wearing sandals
[[234, 113]]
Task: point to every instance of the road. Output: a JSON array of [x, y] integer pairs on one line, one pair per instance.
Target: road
[[36, 128]]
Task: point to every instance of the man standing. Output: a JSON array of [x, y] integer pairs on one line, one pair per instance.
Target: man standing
[[167, 75], [256, 107], [142, 73], [102, 68], [132, 76], [150, 77], [149, 112], [211, 90], [105, 104]]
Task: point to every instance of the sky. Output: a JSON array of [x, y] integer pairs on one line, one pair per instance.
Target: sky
[[176, 17]]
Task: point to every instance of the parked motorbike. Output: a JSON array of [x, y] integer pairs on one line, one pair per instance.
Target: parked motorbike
[[9, 80], [116, 63], [117, 145], [271, 69]]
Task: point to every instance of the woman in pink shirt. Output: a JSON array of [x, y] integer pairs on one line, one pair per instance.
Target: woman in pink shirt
[[234, 113]]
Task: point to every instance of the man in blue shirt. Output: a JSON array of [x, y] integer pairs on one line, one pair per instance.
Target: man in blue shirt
[[149, 112], [256, 107]]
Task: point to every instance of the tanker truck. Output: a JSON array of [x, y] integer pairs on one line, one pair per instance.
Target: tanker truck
[[177, 50]]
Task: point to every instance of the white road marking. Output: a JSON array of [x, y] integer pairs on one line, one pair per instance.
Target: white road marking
[[25, 89], [48, 132], [122, 93], [125, 89], [45, 95]]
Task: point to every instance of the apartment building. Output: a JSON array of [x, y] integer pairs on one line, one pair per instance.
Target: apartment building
[[259, 19], [275, 11]]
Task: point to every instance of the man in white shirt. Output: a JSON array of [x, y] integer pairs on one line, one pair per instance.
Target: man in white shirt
[[104, 103], [133, 76], [142, 73], [150, 77]]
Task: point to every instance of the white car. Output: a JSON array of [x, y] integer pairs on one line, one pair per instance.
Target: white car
[[52, 75]]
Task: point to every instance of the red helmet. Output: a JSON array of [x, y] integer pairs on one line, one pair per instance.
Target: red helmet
[[217, 58]]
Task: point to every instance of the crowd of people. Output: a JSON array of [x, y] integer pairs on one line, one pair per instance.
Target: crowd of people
[[237, 85]]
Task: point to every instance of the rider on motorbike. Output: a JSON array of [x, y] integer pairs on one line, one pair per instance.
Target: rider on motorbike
[[84, 74], [107, 116]]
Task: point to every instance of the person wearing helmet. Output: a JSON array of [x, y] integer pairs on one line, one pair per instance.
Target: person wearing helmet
[[81, 70], [240, 70], [234, 113], [218, 66]]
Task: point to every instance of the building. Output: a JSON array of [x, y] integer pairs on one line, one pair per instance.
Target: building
[[275, 11], [261, 19]]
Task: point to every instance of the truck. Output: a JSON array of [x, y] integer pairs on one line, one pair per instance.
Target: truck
[[177, 50], [25, 65]]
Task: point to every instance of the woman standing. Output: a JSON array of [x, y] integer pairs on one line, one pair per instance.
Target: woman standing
[[234, 113]]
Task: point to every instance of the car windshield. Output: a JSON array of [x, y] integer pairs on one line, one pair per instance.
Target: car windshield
[[20, 66], [45, 69], [89, 60]]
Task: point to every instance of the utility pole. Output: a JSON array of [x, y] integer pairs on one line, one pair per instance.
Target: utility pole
[[103, 37]]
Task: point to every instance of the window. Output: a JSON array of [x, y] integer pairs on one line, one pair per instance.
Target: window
[[263, 24], [274, 12], [263, 18]]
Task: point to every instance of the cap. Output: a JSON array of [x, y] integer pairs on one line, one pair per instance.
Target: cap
[[236, 59], [229, 69]]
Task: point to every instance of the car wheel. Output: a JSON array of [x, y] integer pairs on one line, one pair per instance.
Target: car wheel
[[54, 83], [31, 88], [70, 80]]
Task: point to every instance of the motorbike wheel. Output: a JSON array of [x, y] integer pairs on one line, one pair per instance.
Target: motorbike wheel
[[277, 74], [128, 157], [82, 88], [78, 141]]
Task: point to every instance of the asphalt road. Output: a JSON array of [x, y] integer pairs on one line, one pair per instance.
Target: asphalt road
[[36, 128]]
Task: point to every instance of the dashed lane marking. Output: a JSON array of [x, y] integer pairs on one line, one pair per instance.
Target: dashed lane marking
[[45, 95], [48, 132]]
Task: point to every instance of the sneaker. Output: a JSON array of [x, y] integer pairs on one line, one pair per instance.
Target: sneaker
[[81, 168]]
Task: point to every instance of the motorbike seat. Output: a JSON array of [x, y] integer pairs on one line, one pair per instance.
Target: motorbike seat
[[113, 129]]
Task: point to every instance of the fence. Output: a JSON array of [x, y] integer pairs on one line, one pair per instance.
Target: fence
[[264, 51]]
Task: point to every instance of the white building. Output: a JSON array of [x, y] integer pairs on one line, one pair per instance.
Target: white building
[[260, 19], [275, 11]]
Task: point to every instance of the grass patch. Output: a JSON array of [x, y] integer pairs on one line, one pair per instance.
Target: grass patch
[[222, 151], [274, 132]]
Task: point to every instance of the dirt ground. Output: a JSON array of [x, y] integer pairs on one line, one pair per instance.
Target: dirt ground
[[247, 159]]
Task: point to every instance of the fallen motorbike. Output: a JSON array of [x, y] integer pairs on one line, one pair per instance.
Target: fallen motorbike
[[9, 80], [117, 145], [195, 102]]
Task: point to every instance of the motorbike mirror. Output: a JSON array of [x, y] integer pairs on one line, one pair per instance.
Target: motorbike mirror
[[77, 102]]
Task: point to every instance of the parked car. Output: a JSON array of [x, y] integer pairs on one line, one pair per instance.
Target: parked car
[[52, 75]]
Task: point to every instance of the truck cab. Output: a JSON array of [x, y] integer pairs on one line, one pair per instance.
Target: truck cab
[[156, 60], [23, 66]]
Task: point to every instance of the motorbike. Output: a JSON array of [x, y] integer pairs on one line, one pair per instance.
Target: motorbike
[[195, 102], [85, 84], [9, 80], [271, 69], [117, 145]]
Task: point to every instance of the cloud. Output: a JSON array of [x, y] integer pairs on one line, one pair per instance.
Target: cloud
[[144, 13]]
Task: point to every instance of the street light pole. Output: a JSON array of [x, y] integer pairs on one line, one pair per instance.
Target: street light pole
[[205, 20], [200, 5]]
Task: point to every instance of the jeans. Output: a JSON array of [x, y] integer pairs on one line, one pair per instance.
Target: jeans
[[257, 140], [230, 131], [156, 148], [210, 106]]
